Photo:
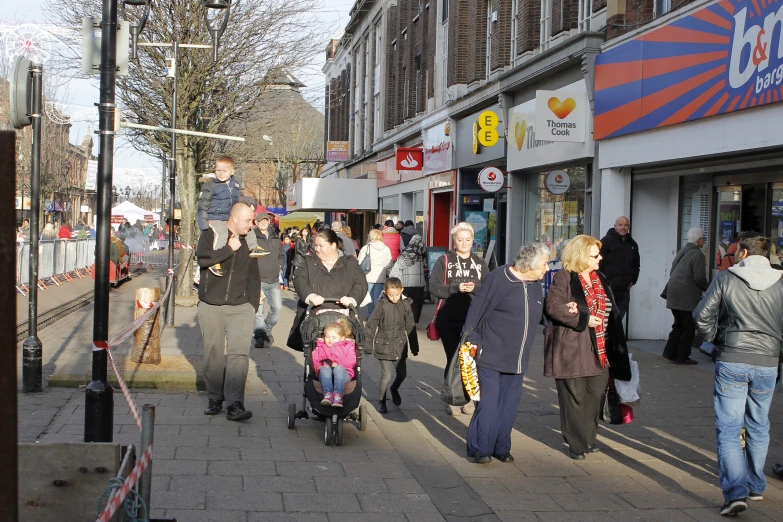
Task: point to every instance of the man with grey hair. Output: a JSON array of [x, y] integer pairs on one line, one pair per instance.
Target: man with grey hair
[[687, 280], [620, 263], [348, 247]]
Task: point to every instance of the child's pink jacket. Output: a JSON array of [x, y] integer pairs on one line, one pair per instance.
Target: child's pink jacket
[[341, 352]]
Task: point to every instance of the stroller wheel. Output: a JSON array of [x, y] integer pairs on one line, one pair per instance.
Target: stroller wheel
[[328, 431], [362, 417], [291, 415], [338, 436]]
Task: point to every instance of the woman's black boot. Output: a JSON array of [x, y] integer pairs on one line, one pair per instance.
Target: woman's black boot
[[382, 407]]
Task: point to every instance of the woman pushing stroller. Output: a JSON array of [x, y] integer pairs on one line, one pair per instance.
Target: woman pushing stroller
[[334, 360]]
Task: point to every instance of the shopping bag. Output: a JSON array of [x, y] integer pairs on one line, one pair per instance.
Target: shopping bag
[[453, 392], [467, 366], [627, 412], [630, 392], [611, 413]]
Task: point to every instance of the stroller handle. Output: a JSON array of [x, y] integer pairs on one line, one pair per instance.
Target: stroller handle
[[331, 300]]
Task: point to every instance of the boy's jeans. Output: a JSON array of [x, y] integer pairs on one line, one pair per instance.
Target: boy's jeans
[[338, 373], [742, 397]]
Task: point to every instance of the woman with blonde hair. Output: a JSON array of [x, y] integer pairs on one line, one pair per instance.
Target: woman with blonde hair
[[585, 344], [456, 278], [380, 260]]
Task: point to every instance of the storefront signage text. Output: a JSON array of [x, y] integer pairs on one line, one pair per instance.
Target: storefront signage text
[[437, 150], [117, 219], [491, 179], [719, 59], [337, 151], [560, 115], [410, 158], [557, 182], [92, 175]]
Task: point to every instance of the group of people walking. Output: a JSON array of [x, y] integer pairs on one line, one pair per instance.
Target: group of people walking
[[498, 314]]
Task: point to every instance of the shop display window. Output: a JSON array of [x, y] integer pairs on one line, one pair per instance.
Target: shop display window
[[776, 225], [390, 208], [552, 217], [418, 213]]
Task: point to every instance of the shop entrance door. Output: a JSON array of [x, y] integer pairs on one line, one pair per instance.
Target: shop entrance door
[[500, 244], [441, 218], [755, 206]]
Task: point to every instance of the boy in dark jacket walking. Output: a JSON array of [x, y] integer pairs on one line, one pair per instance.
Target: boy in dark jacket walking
[[387, 334], [215, 200]]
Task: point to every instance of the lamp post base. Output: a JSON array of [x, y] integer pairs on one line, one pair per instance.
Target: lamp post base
[[32, 365]]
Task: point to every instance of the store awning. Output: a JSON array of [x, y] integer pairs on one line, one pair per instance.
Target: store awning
[[333, 194]]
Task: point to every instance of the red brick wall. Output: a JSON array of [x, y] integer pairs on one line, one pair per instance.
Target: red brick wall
[[500, 56], [476, 36], [528, 28], [637, 14], [459, 28], [565, 15], [393, 89]]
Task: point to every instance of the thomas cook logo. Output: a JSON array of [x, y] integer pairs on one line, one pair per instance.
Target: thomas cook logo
[[754, 63], [561, 109]]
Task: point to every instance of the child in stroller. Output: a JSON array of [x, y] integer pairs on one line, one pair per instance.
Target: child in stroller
[[334, 359]]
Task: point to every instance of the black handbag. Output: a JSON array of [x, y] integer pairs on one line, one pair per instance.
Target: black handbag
[[610, 406]]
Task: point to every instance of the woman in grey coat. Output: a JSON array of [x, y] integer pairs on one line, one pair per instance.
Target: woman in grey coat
[[683, 292]]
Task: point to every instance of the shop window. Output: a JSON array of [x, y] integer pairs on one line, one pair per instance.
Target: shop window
[[418, 214], [390, 208], [776, 225], [554, 217], [728, 220]]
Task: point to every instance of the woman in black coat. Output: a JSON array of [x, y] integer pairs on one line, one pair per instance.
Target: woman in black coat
[[456, 277], [326, 275], [585, 344]]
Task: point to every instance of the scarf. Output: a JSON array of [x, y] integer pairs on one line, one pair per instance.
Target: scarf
[[596, 301]]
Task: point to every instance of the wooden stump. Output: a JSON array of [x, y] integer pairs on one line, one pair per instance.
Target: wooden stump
[[146, 341]]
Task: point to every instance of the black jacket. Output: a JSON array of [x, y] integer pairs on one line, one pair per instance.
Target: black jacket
[[240, 282], [505, 315], [742, 313], [620, 263], [269, 266], [455, 305], [386, 333]]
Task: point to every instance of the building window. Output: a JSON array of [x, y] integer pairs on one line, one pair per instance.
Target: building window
[[546, 24], [514, 31], [585, 14], [488, 68], [444, 9], [444, 61], [377, 82], [390, 208], [366, 96], [662, 7]]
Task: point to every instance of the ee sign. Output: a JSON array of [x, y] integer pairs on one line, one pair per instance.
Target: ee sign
[[561, 116], [485, 130], [491, 179]]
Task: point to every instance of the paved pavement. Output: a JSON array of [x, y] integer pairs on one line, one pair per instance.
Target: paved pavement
[[409, 465]]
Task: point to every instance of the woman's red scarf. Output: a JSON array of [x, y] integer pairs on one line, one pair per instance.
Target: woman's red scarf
[[596, 301]]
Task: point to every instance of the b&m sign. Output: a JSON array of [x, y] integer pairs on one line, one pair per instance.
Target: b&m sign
[[722, 58]]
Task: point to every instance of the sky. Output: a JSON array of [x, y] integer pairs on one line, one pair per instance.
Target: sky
[[82, 93]]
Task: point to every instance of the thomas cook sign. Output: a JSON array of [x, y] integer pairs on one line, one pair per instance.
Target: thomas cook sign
[[561, 116]]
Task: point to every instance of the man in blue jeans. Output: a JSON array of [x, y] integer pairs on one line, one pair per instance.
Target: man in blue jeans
[[741, 315], [269, 271]]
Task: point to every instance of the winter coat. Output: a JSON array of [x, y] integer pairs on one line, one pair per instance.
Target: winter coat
[[456, 270], [216, 199], [302, 248], [688, 279], [387, 330], [269, 266], [64, 232], [727, 260], [409, 267], [504, 317], [345, 279], [392, 239], [406, 234], [620, 263], [348, 247], [342, 352], [741, 313], [380, 260], [240, 282], [570, 349]]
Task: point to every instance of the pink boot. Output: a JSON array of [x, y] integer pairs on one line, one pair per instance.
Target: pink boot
[[327, 400], [337, 401]]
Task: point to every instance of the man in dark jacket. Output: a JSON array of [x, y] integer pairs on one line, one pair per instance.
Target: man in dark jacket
[[407, 233], [269, 272], [227, 305], [620, 262], [741, 315]]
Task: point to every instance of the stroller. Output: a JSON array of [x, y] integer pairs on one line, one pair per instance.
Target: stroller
[[312, 328]]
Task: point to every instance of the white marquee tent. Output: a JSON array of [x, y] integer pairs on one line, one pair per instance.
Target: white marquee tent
[[133, 212]]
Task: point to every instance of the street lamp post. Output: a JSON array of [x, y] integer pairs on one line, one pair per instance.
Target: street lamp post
[[99, 400]]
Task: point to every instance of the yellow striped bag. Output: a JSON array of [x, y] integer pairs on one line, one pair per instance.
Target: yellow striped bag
[[467, 367]]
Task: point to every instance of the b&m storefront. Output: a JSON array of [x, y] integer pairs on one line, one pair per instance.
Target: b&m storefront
[[688, 116]]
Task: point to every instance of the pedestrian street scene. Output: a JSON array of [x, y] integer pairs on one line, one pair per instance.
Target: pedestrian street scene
[[463, 260]]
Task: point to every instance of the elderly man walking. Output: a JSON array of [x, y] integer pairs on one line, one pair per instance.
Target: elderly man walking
[[226, 308], [348, 247], [741, 315], [620, 263]]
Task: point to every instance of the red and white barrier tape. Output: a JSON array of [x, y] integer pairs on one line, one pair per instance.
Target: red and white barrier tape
[[119, 495]]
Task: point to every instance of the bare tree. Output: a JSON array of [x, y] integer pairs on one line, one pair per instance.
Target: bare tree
[[263, 38]]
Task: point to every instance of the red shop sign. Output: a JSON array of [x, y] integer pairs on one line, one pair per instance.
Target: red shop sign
[[410, 158]]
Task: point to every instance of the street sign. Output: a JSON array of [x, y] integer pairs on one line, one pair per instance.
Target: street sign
[[21, 92]]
